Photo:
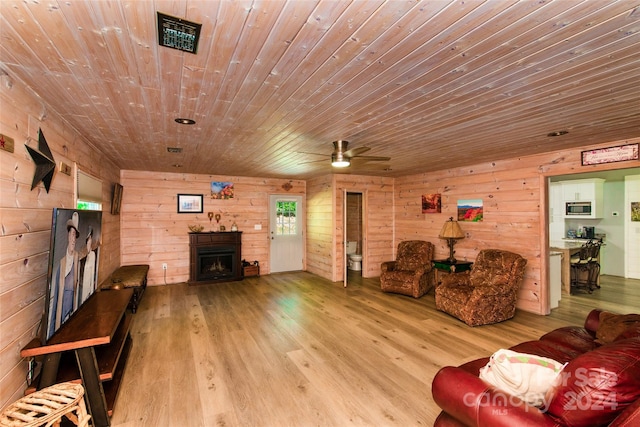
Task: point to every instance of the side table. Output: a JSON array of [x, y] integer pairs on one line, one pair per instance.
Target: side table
[[449, 267]]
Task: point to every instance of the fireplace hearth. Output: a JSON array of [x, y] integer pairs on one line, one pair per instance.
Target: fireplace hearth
[[215, 257]]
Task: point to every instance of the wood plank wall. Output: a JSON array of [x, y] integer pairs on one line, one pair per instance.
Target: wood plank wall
[[514, 194], [325, 223], [154, 233], [25, 218], [377, 199], [320, 227]]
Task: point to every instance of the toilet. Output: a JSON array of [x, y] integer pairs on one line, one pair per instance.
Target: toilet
[[355, 260]]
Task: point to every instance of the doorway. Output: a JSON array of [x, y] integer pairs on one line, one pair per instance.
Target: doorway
[[354, 233], [286, 225], [615, 223]]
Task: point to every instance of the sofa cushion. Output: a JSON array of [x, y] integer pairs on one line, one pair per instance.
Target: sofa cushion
[[414, 254], [489, 276], [611, 325], [596, 386], [552, 350], [574, 337], [630, 332]]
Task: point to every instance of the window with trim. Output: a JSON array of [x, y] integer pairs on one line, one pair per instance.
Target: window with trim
[[88, 192]]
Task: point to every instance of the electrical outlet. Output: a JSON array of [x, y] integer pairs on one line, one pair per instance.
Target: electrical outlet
[[164, 265]]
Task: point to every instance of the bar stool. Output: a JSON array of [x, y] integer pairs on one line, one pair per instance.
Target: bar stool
[[585, 269], [46, 407], [580, 276], [594, 265]]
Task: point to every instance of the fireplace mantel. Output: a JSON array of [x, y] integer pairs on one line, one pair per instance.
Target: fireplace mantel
[[215, 257]]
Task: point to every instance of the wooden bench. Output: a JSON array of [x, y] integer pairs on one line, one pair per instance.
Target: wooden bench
[[129, 276]]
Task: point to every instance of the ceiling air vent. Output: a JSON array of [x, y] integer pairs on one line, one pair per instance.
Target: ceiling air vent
[[177, 33], [174, 149]]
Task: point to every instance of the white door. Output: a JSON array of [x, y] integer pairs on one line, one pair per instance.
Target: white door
[[286, 218]]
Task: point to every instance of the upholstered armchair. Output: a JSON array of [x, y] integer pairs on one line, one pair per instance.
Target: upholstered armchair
[[485, 294], [410, 274]]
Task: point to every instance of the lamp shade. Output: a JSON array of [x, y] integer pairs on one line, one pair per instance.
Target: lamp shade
[[451, 230]]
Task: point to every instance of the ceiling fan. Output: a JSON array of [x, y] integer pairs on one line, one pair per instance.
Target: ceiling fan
[[342, 156]]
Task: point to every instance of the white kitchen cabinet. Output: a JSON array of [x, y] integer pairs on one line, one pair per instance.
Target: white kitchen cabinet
[[584, 190]]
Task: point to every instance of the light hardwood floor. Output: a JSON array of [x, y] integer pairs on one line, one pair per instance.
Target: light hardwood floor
[[294, 349]]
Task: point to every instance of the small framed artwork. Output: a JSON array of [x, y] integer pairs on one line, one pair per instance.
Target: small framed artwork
[[116, 200], [221, 190], [470, 210], [635, 211], [431, 203], [190, 203]]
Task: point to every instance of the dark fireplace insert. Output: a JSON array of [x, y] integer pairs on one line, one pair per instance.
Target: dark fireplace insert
[[215, 257], [216, 263]]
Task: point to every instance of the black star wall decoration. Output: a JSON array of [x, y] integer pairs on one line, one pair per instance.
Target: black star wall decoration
[[45, 165]]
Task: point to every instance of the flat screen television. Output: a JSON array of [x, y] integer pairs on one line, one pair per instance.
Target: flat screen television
[[74, 254]]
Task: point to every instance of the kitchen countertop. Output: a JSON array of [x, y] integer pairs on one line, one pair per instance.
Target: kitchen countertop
[[565, 244]]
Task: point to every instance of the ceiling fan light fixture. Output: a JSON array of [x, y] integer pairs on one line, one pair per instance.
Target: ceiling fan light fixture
[[339, 161]]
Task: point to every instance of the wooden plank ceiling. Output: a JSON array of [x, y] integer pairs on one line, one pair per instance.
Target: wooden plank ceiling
[[431, 84]]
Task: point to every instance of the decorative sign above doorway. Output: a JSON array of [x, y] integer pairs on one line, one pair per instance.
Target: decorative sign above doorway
[[618, 153]]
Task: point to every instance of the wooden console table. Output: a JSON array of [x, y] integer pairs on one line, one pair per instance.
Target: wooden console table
[[98, 336]]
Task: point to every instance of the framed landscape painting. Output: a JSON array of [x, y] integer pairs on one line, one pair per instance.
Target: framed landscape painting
[[470, 210]]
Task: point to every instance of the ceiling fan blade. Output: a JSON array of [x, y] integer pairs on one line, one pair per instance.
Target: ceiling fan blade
[[365, 165], [356, 151], [372, 158], [308, 152]]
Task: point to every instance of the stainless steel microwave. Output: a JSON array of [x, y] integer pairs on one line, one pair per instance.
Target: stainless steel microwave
[[578, 209]]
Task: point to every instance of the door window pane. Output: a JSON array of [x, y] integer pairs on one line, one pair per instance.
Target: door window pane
[[286, 218]]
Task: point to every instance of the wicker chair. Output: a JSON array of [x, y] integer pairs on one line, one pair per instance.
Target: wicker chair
[[411, 273], [487, 293]]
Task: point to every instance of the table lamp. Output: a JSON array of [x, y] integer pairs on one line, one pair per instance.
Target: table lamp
[[452, 232]]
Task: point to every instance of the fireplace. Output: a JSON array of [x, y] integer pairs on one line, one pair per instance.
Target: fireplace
[[215, 257]]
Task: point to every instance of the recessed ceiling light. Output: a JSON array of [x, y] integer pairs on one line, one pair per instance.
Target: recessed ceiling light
[[558, 133], [174, 149], [177, 165], [183, 121]]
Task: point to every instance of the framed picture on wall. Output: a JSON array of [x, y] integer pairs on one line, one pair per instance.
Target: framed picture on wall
[[116, 200], [470, 210], [431, 203], [190, 203]]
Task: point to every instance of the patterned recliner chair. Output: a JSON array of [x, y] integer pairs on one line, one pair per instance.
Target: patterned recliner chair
[[486, 294], [411, 272]]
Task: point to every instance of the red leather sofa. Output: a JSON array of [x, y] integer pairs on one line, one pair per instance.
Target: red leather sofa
[[599, 386]]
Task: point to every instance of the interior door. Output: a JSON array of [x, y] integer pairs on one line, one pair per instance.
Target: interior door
[[345, 260], [286, 218]]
